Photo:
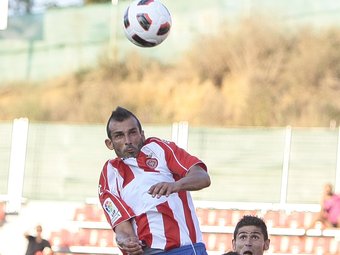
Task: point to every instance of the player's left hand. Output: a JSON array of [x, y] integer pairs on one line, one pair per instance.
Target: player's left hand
[[162, 189]]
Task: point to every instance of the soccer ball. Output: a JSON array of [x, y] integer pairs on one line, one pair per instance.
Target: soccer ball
[[147, 23]]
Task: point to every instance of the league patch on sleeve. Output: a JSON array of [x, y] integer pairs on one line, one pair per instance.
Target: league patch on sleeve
[[111, 209]]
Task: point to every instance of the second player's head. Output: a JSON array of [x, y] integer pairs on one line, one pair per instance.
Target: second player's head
[[251, 236]]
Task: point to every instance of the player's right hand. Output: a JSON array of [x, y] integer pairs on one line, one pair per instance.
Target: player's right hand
[[131, 246]]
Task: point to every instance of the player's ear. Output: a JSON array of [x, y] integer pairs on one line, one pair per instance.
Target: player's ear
[[109, 144], [266, 244], [234, 244]]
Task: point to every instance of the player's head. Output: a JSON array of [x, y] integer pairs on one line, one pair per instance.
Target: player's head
[[328, 189], [250, 236], [125, 133], [231, 253], [38, 230]]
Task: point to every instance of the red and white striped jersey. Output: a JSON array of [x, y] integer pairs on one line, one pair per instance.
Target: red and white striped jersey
[[165, 222]]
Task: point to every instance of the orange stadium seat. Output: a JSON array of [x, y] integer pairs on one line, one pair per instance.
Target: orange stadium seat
[[275, 218], [308, 218], [219, 217], [217, 241], [202, 215], [105, 238], [295, 219], [321, 245], [61, 239], [275, 243], [224, 217], [2, 213], [82, 237], [90, 213], [79, 214], [296, 244]]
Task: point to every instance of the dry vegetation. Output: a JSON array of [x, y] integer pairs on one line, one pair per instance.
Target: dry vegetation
[[254, 74]]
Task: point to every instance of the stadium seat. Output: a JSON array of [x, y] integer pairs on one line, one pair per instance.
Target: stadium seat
[[79, 215], [89, 212], [61, 239], [224, 217], [273, 218], [322, 245], [82, 237], [217, 242], [295, 219], [203, 215], [238, 214], [296, 244], [308, 218], [2, 213], [105, 238], [275, 244]]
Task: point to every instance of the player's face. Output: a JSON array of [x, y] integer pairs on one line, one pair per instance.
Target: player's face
[[250, 241], [126, 139]]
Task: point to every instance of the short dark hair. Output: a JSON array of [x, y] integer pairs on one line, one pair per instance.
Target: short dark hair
[[121, 114], [252, 220], [231, 253]]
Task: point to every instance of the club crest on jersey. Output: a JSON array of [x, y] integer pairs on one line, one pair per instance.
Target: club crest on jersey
[[152, 163], [111, 210]]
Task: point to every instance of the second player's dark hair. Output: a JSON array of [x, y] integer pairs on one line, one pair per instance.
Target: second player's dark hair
[[252, 220]]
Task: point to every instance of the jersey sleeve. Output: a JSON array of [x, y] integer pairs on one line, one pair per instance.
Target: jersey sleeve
[[179, 160], [115, 209]]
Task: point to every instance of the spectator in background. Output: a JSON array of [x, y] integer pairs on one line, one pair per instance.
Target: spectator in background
[[250, 236], [329, 215], [36, 244], [145, 194]]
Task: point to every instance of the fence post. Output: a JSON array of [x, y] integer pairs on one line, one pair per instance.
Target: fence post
[[17, 165], [3, 14], [180, 134], [285, 167]]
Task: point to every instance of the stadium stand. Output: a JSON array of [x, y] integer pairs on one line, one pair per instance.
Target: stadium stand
[[2, 213], [287, 228]]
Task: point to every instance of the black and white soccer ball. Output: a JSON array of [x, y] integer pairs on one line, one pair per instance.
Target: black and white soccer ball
[[147, 23]]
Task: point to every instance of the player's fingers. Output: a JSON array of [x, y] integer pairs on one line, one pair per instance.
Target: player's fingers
[[170, 189], [154, 190], [168, 192], [162, 191]]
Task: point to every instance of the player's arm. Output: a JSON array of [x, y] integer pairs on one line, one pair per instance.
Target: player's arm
[[127, 240], [197, 178]]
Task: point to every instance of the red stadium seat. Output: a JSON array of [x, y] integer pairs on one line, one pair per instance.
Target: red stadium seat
[[224, 217], [272, 218], [2, 213], [79, 215], [61, 239], [201, 215], [275, 244], [295, 219], [296, 244], [217, 242], [82, 237], [105, 238], [308, 218]]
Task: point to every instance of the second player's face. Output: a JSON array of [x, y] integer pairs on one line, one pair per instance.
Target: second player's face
[[250, 241], [126, 138]]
